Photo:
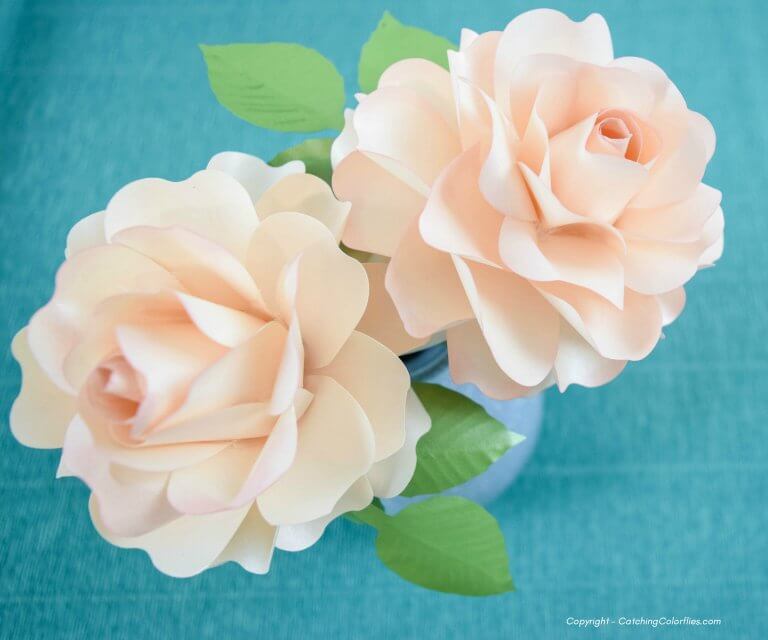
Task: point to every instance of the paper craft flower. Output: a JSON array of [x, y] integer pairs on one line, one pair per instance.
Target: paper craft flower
[[541, 202], [200, 367]]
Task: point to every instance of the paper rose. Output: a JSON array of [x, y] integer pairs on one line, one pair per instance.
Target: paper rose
[[540, 201], [200, 367]]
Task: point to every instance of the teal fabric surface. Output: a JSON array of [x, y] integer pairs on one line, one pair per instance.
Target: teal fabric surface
[[644, 498]]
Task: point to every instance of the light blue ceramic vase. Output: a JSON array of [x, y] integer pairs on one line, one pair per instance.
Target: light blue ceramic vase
[[523, 416]]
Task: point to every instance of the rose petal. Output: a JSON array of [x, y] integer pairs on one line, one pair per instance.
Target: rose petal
[[131, 502], [579, 259], [424, 287], [83, 282], [381, 320], [168, 358], [97, 341], [86, 234], [308, 194], [390, 476], [671, 304], [42, 411], [335, 448], [500, 181], [393, 120], [680, 222], [429, 80], [204, 268], [544, 31], [185, 546], [383, 206], [277, 241], [618, 334], [592, 184], [298, 537], [252, 545], [213, 484], [346, 142], [255, 175], [520, 326], [325, 278], [225, 326], [210, 203], [577, 362], [457, 219], [245, 374], [360, 361], [471, 361]]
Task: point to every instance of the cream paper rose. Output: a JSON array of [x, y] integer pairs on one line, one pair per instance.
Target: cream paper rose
[[541, 202], [200, 367]]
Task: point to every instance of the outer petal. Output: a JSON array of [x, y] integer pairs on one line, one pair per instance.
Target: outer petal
[[577, 362], [579, 259], [520, 326], [383, 205], [425, 287], [381, 320], [672, 304], [544, 31], [394, 122], [379, 381], [86, 234], [213, 484], [210, 203], [131, 502], [325, 279], [657, 267], [390, 476], [185, 546], [679, 222], [277, 241], [470, 360], [308, 194], [335, 448], [346, 142], [236, 475], [252, 545], [41, 413], [626, 334], [253, 173], [457, 218], [297, 537], [428, 80]]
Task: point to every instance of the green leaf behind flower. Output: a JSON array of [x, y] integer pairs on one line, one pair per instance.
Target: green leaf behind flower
[[393, 41], [276, 85], [315, 153], [462, 442], [445, 543]]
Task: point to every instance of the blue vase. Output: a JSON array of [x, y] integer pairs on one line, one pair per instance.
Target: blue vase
[[523, 416]]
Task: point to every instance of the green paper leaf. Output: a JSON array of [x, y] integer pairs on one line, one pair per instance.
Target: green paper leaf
[[446, 543], [277, 85], [393, 41], [315, 153], [462, 443]]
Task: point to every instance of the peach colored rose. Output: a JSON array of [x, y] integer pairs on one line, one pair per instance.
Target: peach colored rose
[[542, 201], [200, 367]]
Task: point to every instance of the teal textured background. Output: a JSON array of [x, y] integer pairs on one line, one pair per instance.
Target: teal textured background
[[644, 498]]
